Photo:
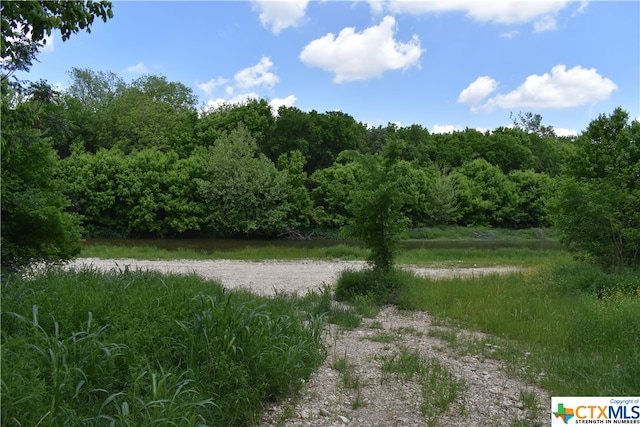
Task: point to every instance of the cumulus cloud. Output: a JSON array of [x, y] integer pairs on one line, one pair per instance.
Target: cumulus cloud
[[562, 88], [360, 56], [257, 75], [546, 23], [477, 91], [276, 103], [139, 68], [278, 15], [247, 84], [510, 34], [211, 85], [445, 128], [565, 132]]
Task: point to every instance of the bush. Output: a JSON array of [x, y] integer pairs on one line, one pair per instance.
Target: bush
[[381, 285]]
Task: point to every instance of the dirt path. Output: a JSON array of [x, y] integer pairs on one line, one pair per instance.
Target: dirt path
[[490, 396]]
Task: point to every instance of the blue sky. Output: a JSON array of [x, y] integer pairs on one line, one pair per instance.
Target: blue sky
[[441, 64]]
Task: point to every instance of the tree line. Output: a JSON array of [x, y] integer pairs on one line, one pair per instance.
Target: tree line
[[141, 159]]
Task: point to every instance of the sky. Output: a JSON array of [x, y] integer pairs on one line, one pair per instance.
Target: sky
[[445, 65]]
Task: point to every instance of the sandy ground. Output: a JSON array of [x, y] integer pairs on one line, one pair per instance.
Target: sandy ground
[[267, 277]]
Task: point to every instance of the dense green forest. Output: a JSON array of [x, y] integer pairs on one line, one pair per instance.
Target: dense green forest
[[142, 159]]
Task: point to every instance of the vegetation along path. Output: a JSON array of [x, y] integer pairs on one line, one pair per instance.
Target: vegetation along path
[[395, 369]]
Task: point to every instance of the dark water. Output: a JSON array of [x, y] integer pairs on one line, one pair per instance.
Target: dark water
[[216, 245]]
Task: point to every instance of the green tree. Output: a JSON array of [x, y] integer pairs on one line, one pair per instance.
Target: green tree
[[35, 224], [255, 115], [25, 24], [244, 192], [331, 189], [598, 201], [376, 206], [301, 212], [531, 196], [485, 195]]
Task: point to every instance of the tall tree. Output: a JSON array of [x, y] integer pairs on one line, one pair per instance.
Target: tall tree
[[598, 202], [35, 224], [244, 192]]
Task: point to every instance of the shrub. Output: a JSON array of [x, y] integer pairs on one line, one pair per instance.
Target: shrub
[[382, 286]]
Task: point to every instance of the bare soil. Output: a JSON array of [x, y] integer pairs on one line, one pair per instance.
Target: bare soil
[[493, 395]]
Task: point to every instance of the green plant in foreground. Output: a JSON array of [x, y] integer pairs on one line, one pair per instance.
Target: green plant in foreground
[[440, 388], [349, 379], [581, 340], [140, 348]]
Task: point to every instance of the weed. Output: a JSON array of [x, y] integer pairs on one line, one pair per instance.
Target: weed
[[140, 348], [440, 388]]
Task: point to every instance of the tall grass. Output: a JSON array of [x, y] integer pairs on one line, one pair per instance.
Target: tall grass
[[140, 349], [576, 326]]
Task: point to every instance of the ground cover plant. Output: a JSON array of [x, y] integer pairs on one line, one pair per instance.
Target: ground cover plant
[[139, 348], [570, 327]]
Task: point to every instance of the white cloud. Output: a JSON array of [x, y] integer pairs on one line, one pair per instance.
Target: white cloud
[[445, 128], [510, 34], [360, 56], [565, 132], [477, 91], [47, 44], [239, 99], [454, 128], [210, 86], [247, 84], [500, 12], [561, 89], [278, 15], [139, 68], [258, 75], [545, 23], [276, 103]]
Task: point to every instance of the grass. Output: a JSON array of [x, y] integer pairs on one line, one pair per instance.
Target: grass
[[340, 251], [140, 349], [420, 257], [440, 388], [574, 328], [452, 232]]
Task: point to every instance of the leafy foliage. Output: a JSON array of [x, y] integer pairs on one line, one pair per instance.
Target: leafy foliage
[[25, 24], [376, 207], [35, 226], [243, 190], [598, 203]]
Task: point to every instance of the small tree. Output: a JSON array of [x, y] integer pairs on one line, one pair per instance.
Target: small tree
[[598, 202], [376, 207]]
